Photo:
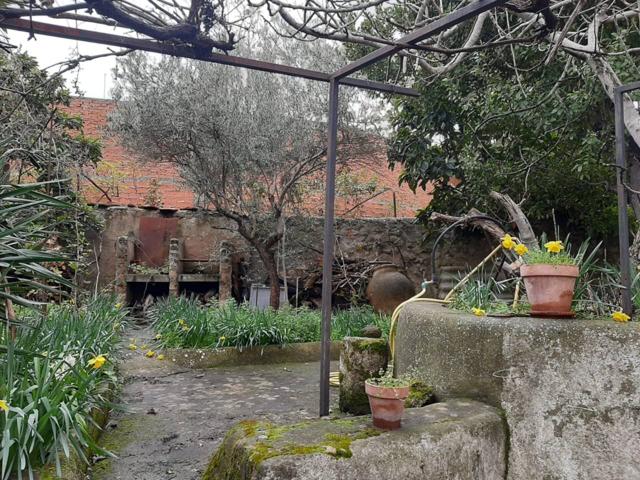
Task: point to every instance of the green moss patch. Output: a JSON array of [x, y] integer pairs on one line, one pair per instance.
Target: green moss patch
[[249, 443], [420, 394], [374, 345]]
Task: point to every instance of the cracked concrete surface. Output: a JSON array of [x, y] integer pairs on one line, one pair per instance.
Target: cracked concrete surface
[[173, 418]]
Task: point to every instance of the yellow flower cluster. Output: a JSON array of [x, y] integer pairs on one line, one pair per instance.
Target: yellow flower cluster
[[183, 325], [150, 354], [620, 316], [97, 362], [4, 406], [512, 243], [478, 312], [555, 246]]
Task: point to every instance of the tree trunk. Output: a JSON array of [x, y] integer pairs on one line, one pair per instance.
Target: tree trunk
[[268, 258], [525, 232]]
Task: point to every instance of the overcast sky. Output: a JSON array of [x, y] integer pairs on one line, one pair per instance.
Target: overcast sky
[[94, 77]]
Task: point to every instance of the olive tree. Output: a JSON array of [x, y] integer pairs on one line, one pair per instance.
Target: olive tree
[[244, 141]]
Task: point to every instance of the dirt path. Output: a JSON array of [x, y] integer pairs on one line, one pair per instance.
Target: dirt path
[[174, 418]]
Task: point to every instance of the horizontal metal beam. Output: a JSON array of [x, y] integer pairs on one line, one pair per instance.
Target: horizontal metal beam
[[183, 51], [419, 35], [627, 88]]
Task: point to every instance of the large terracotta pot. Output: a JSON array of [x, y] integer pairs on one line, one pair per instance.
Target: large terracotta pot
[[387, 405], [388, 288], [550, 288]]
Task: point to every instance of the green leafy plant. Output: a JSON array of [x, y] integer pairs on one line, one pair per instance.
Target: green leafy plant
[[49, 387], [386, 379], [185, 323]]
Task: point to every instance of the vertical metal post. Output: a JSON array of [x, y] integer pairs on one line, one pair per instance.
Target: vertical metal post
[[329, 238], [623, 216]]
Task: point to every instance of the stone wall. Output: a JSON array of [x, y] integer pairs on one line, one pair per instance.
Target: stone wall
[[569, 389], [399, 240]]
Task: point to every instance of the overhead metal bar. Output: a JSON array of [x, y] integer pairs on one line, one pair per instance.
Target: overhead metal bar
[[465, 13], [621, 176], [184, 51], [339, 77]]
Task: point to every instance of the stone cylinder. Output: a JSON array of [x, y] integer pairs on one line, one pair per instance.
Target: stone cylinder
[[360, 358]]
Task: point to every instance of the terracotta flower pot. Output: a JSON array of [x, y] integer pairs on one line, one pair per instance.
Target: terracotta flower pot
[[550, 288], [387, 405], [388, 288]]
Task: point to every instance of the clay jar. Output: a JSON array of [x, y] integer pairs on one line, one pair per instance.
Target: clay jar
[[550, 288], [387, 405], [388, 288]]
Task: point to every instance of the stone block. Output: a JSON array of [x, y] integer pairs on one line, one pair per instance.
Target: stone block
[[360, 358], [570, 389], [459, 439]]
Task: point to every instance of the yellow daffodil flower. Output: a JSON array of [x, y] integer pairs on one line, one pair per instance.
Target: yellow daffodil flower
[[478, 312], [4, 405], [222, 339], [133, 346], [620, 317], [185, 328], [150, 354], [97, 362], [181, 322], [160, 357], [554, 247], [521, 249], [118, 306], [158, 336], [508, 242]]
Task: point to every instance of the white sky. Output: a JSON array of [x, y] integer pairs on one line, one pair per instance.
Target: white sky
[[94, 77]]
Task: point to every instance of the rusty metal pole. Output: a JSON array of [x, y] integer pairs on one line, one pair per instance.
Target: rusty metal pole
[[327, 254], [623, 215]]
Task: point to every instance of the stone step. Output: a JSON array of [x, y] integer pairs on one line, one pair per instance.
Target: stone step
[[458, 439]]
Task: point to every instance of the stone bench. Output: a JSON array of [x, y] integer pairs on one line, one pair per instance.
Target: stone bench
[[458, 439]]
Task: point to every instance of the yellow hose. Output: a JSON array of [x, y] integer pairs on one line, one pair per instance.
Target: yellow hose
[[398, 310]]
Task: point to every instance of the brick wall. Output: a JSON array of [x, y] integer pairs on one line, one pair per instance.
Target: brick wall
[[125, 180]]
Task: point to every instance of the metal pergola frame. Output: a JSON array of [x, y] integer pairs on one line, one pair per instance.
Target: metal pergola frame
[[339, 77], [623, 215]]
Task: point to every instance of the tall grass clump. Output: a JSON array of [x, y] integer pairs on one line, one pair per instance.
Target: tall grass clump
[[52, 381], [185, 323]]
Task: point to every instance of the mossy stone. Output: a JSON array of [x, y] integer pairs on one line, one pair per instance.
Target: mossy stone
[[249, 443], [420, 394]]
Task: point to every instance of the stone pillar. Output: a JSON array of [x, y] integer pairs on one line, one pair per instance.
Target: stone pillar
[[122, 266], [360, 359], [226, 270], [175, 266]]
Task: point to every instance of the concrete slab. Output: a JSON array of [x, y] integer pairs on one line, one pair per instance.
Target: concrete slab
[[174, 417], [570, 389]]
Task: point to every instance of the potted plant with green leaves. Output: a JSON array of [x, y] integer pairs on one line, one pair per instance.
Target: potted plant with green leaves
[[549, 276], [386, 398]]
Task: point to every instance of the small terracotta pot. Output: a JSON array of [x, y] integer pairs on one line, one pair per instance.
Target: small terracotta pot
[[387, 405], [550, 288]]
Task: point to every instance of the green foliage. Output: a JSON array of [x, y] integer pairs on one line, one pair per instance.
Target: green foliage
[[482, 292], [185, 323], [23, 234], [543, 256], [49, 387], [486, 128], [44, 144]]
